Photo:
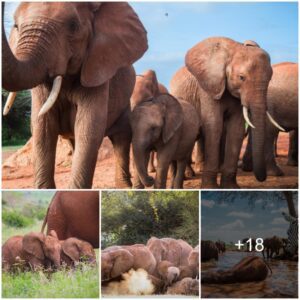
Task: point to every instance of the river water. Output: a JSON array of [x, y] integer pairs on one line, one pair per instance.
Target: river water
[[283, 283]]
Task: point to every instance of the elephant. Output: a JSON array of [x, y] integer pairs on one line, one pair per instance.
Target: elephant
[[221, 246], [193, 262], [186, 286], [188, 271], [117, 260], [217, 72], [172, 250], [80, 88], [272, 245], [250, 268], [167, 272], [282, 101], [168, 126], [74, 214], [209, 251], [32, 251], [146, 87], [74, 250]]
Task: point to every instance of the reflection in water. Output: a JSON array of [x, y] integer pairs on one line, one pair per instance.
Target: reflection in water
[[283, 283]]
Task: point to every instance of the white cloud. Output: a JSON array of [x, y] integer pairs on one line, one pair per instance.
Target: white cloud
[[238, 224], [240, 214], [208, 203]]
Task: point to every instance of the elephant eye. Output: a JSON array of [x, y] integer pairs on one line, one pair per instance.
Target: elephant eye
[[242, 78], [16, 26]]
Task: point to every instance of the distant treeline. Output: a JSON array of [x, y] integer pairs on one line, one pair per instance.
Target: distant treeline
[[133, 217]]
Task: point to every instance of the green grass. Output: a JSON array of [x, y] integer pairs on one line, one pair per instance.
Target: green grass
[[79, 283], [13, 147]]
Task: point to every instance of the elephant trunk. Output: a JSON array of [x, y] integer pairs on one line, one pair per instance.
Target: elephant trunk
[[23, 72], [258, 117], [140, 154]]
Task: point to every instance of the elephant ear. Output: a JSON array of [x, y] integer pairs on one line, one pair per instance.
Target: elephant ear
[[32, 243], [207, 61], [151, 76], [173, 116], [71, 247], [122, 262], [119, 40]]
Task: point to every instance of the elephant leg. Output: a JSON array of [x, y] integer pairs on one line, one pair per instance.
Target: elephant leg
[[272, 167], [189, 172], [212, 116], [90, 125], [45, 132], [121, 140], [137, 183], [151, 167], [163, 162], [293, 148], [172, 172], [179, 178], [233, 144]]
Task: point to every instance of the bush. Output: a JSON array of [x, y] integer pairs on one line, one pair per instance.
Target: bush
[[15, 219]]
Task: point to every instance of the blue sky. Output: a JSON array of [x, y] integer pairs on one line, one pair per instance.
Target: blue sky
[[235, 219], [173, 28]]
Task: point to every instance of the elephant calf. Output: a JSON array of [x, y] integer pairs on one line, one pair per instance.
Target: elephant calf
[[74, 250], [167, 272], [31, 251], [168, 126]]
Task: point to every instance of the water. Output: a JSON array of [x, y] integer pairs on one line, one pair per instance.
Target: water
[[283, 283]]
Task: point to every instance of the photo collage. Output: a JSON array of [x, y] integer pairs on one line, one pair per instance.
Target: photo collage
[[149, 150]]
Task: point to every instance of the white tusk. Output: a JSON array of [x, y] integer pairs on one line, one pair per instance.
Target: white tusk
[[9, 102], [52, 97], [246, 117], [274, 122]]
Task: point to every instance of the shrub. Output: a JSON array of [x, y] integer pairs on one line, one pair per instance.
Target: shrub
[[15, 219]]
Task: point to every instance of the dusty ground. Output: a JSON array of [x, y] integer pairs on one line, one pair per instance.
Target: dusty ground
[[17, 169]]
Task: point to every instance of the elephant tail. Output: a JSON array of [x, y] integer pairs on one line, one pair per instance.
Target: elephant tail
[[45, 220]]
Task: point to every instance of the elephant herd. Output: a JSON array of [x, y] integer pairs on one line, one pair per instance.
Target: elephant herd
[[172, 265], [77, 60]]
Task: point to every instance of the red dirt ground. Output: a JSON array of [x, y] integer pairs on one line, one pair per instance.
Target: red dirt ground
[[17, 169]]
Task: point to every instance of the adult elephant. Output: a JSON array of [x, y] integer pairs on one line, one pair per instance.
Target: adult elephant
[[117, 260], [250, 268], [74, 214], [221, 246], [272, 246], [172, 250], [282, 101], [224, 78], [209, 251], [77, 59]]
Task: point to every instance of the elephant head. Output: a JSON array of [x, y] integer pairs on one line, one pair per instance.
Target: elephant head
[[244, 70], [40, 249], [87, 40], [158, 248], [78, 250], [153, 121], [115, 262]]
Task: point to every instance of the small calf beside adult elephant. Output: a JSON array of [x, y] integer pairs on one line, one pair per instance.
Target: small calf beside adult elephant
[[74, 214], [224, 80], [168, 126], [282, 102], [80, 87]]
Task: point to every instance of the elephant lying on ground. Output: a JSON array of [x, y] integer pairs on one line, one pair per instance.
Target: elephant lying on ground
[[168, 126], [74, 214], [117, 260], [172, 250], [74, 250], [272, 246], [251, 268], [80, 87], [282, 101], [186, 286], [31, 251], [209, 251]]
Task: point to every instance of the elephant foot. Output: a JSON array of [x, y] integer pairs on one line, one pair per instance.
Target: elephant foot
[[274, 170], [292, 162], [229, 182], [209, 181]]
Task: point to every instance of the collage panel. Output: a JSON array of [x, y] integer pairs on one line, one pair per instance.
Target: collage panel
[[249, 244], [150, 243], [50, 244]]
